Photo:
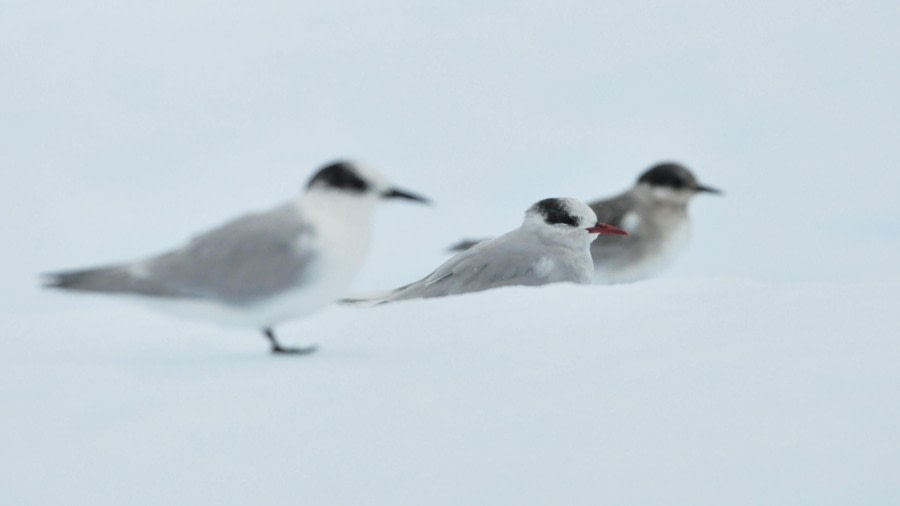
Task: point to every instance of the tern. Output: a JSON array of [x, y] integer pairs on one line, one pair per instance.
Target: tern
[[654, 212], [260, 269], [552, 245]]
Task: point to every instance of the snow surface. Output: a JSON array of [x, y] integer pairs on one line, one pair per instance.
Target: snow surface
[[761, 369], [715, 391]]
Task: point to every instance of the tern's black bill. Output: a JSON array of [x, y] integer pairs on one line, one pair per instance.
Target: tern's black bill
[[708, 189], [395, 193]]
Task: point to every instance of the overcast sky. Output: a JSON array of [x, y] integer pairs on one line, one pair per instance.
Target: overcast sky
[[127, 126]]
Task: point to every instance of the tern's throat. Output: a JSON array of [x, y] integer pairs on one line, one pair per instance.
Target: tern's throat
[[340, 218]]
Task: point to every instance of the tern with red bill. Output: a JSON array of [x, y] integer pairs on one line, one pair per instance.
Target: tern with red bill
[[260, 269], [654, 212], [551, 246]]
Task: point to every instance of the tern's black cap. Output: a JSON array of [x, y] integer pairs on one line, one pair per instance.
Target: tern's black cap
[[668, 174], [341, 175], [555, 210]]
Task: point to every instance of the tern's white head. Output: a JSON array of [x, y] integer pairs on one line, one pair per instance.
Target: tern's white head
[[353, 179], [340, 200], [670, 183], [566, 219]]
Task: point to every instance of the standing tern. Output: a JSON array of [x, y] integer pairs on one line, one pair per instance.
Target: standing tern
[[259, 269]]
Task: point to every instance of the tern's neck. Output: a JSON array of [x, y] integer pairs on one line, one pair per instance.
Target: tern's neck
[[664, 199], [338, 211]]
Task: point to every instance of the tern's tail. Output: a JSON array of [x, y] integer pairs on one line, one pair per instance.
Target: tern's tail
[[368, 299], [112, 279]]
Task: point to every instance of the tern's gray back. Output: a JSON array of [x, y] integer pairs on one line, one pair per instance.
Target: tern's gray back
[[516, 258], [612, 211], [651, 227], [250, 258], [244, 261]]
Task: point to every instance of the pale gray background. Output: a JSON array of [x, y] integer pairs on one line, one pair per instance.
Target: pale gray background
[[128, 126], [761, 370]]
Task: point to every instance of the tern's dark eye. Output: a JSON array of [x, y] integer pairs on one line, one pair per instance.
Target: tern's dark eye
[[566, 219]]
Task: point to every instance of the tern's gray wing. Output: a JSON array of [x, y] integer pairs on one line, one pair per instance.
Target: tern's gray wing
[[505, 261], [241, 262], [612, 211]]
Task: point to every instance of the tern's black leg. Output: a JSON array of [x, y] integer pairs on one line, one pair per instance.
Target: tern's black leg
[[277, 348]]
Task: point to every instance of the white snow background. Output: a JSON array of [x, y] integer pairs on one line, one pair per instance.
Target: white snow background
[[761, 369]]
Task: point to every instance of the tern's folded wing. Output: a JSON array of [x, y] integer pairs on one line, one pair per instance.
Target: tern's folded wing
[[491, 264], [248, 259], [241, 262]]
